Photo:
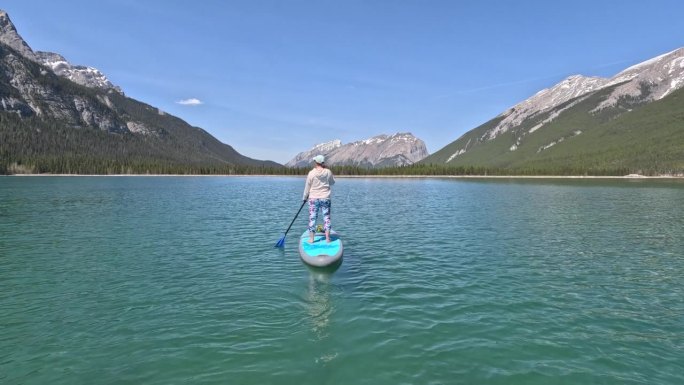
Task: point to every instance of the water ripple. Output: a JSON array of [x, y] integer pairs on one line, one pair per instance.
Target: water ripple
[[176, 280]]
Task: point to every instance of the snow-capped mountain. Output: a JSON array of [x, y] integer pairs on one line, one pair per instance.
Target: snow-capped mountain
[[303, 159], [47, 118], [400, 149], [545, 100], [651, 80], [640, 84], [83, 75]]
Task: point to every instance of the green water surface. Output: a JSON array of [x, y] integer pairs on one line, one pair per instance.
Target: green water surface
[[175, 280]]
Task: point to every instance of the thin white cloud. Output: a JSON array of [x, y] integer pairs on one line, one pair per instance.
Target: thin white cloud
[[190, 102]]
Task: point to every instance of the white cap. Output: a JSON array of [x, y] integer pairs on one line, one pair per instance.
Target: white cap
[[319, 159]]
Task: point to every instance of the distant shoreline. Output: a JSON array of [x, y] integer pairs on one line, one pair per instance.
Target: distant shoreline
[[631, 176]]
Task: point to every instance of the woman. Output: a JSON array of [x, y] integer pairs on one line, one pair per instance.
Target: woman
[[317, 191]]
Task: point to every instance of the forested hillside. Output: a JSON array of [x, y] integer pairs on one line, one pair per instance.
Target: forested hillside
[[49, 124], [632, 137]]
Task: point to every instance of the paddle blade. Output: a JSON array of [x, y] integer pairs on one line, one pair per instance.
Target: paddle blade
[[281, 242]]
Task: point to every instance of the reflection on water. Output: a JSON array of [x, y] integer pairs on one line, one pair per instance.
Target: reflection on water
[[321, 308], [169, 281], [318, 301]]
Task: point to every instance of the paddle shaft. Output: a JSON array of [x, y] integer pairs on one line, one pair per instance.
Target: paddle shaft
[[295, 218]]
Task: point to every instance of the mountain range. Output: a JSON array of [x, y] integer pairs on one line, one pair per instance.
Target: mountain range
[[64, 118], [630, 123], [400, 149]]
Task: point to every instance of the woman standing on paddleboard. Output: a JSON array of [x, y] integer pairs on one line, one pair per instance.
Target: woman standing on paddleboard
[[317, 192]]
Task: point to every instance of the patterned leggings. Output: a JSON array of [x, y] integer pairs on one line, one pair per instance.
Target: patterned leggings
[[314, 205]]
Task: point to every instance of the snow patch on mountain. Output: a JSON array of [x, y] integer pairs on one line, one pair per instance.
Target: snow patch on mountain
[[400, 149], [328, 146], [83, 75], [545, 100], [460, 151], [641, 83], [303, 159], [559, 140], [660, 76]]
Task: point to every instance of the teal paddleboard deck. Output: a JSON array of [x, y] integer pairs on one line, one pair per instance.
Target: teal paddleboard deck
[[320, 253]]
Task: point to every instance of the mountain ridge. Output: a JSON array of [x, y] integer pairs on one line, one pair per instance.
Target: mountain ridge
[[83, 75], [399, 149], [559, 116], [75, 112]]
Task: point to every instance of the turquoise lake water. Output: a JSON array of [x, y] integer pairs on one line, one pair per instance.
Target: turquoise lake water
[[175, 280]]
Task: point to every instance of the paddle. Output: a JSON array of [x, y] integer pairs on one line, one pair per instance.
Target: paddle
[[281, 241]]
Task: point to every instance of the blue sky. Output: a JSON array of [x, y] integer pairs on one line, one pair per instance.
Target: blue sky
[[274, 78]]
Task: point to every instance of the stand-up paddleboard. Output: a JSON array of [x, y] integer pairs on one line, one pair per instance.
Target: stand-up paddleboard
[[320, 253]]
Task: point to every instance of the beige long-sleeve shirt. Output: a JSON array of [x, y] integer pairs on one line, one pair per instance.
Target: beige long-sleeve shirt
[[318, 184]]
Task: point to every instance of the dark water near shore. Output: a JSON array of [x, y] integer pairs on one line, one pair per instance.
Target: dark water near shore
[[175, 280]]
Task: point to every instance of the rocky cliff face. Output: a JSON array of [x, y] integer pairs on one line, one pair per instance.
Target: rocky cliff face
[[10, 36], [546, 100], [33, 91], [648, 81], [400, 149], [74, 101], [303, 159], [83, 75]]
